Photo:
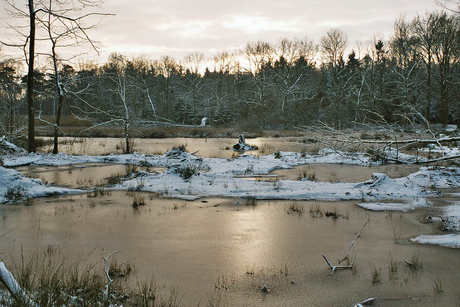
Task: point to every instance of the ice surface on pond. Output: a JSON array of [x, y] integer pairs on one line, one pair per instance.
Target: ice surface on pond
[[409, 206], [222, 178]]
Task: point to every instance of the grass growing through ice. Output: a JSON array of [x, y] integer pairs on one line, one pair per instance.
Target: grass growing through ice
[[251, 201], [376, 275], [49, 279], [415, 262], [294, 208], [316, 211], [138, 200], [392, 267], [224, 281], [437, 286], [15, 194]]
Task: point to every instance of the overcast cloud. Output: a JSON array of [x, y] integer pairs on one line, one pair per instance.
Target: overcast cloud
[[178, 27]]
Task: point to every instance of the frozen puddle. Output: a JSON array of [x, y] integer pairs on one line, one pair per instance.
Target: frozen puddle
[[342, 172], [199, 245], [83, 175]]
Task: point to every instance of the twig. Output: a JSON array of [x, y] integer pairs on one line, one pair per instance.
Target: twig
[[369, 301], [353, 242], [339, 267]]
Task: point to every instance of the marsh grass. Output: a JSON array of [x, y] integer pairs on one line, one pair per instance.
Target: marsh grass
[[250, 270], [284, 270], [119, 270], [392, 267], [182, 147], [97, 192], [316, 211], [416, 262], [138, 200], [176, 206], [396, 236], [304, 173], [437, 285], [376, 275], [187, 171], [15, 194], [294, 208], [114, 179], [147, 294], [131, 168], [251, 201], [224, 281], [51, 279]]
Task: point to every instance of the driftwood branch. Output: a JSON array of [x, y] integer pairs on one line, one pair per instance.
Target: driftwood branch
[[13, 287], [106, 269], [350, 266], [339, 267], [369, 301], [353, 242]]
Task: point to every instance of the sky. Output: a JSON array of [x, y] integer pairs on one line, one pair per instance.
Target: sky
[[179, 27]]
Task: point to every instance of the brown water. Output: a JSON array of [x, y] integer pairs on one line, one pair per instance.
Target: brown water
[[212, 147], [196, 244]]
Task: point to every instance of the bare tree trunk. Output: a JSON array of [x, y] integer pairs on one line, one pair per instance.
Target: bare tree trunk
[[30, 80], [56, 126], [428, 89]]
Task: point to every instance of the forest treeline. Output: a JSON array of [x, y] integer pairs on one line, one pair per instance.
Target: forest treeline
[[412, 77]]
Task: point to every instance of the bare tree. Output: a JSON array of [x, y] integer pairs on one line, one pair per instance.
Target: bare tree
[[424, 27], [27, 45], [65, 27], [333, 45], [62, 24], [10, 96], [259, 56], [447, 57], [192, 84], [288, 71]]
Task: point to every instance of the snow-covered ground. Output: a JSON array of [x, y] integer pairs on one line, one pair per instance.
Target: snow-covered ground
[[226, 178]]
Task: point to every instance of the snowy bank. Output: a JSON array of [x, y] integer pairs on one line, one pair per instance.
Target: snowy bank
[[189, 176], [14, 187]]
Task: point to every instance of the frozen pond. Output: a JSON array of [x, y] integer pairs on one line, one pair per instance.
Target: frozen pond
[[222, 251], [196, 245]]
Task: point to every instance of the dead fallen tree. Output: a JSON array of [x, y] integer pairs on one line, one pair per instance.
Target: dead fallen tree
[[381, 143]]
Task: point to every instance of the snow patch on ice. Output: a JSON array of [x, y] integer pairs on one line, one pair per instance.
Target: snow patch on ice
[[405, 207], [450, 240], [12, 180]]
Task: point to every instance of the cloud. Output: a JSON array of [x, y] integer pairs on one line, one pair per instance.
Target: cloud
[[177, 27]]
